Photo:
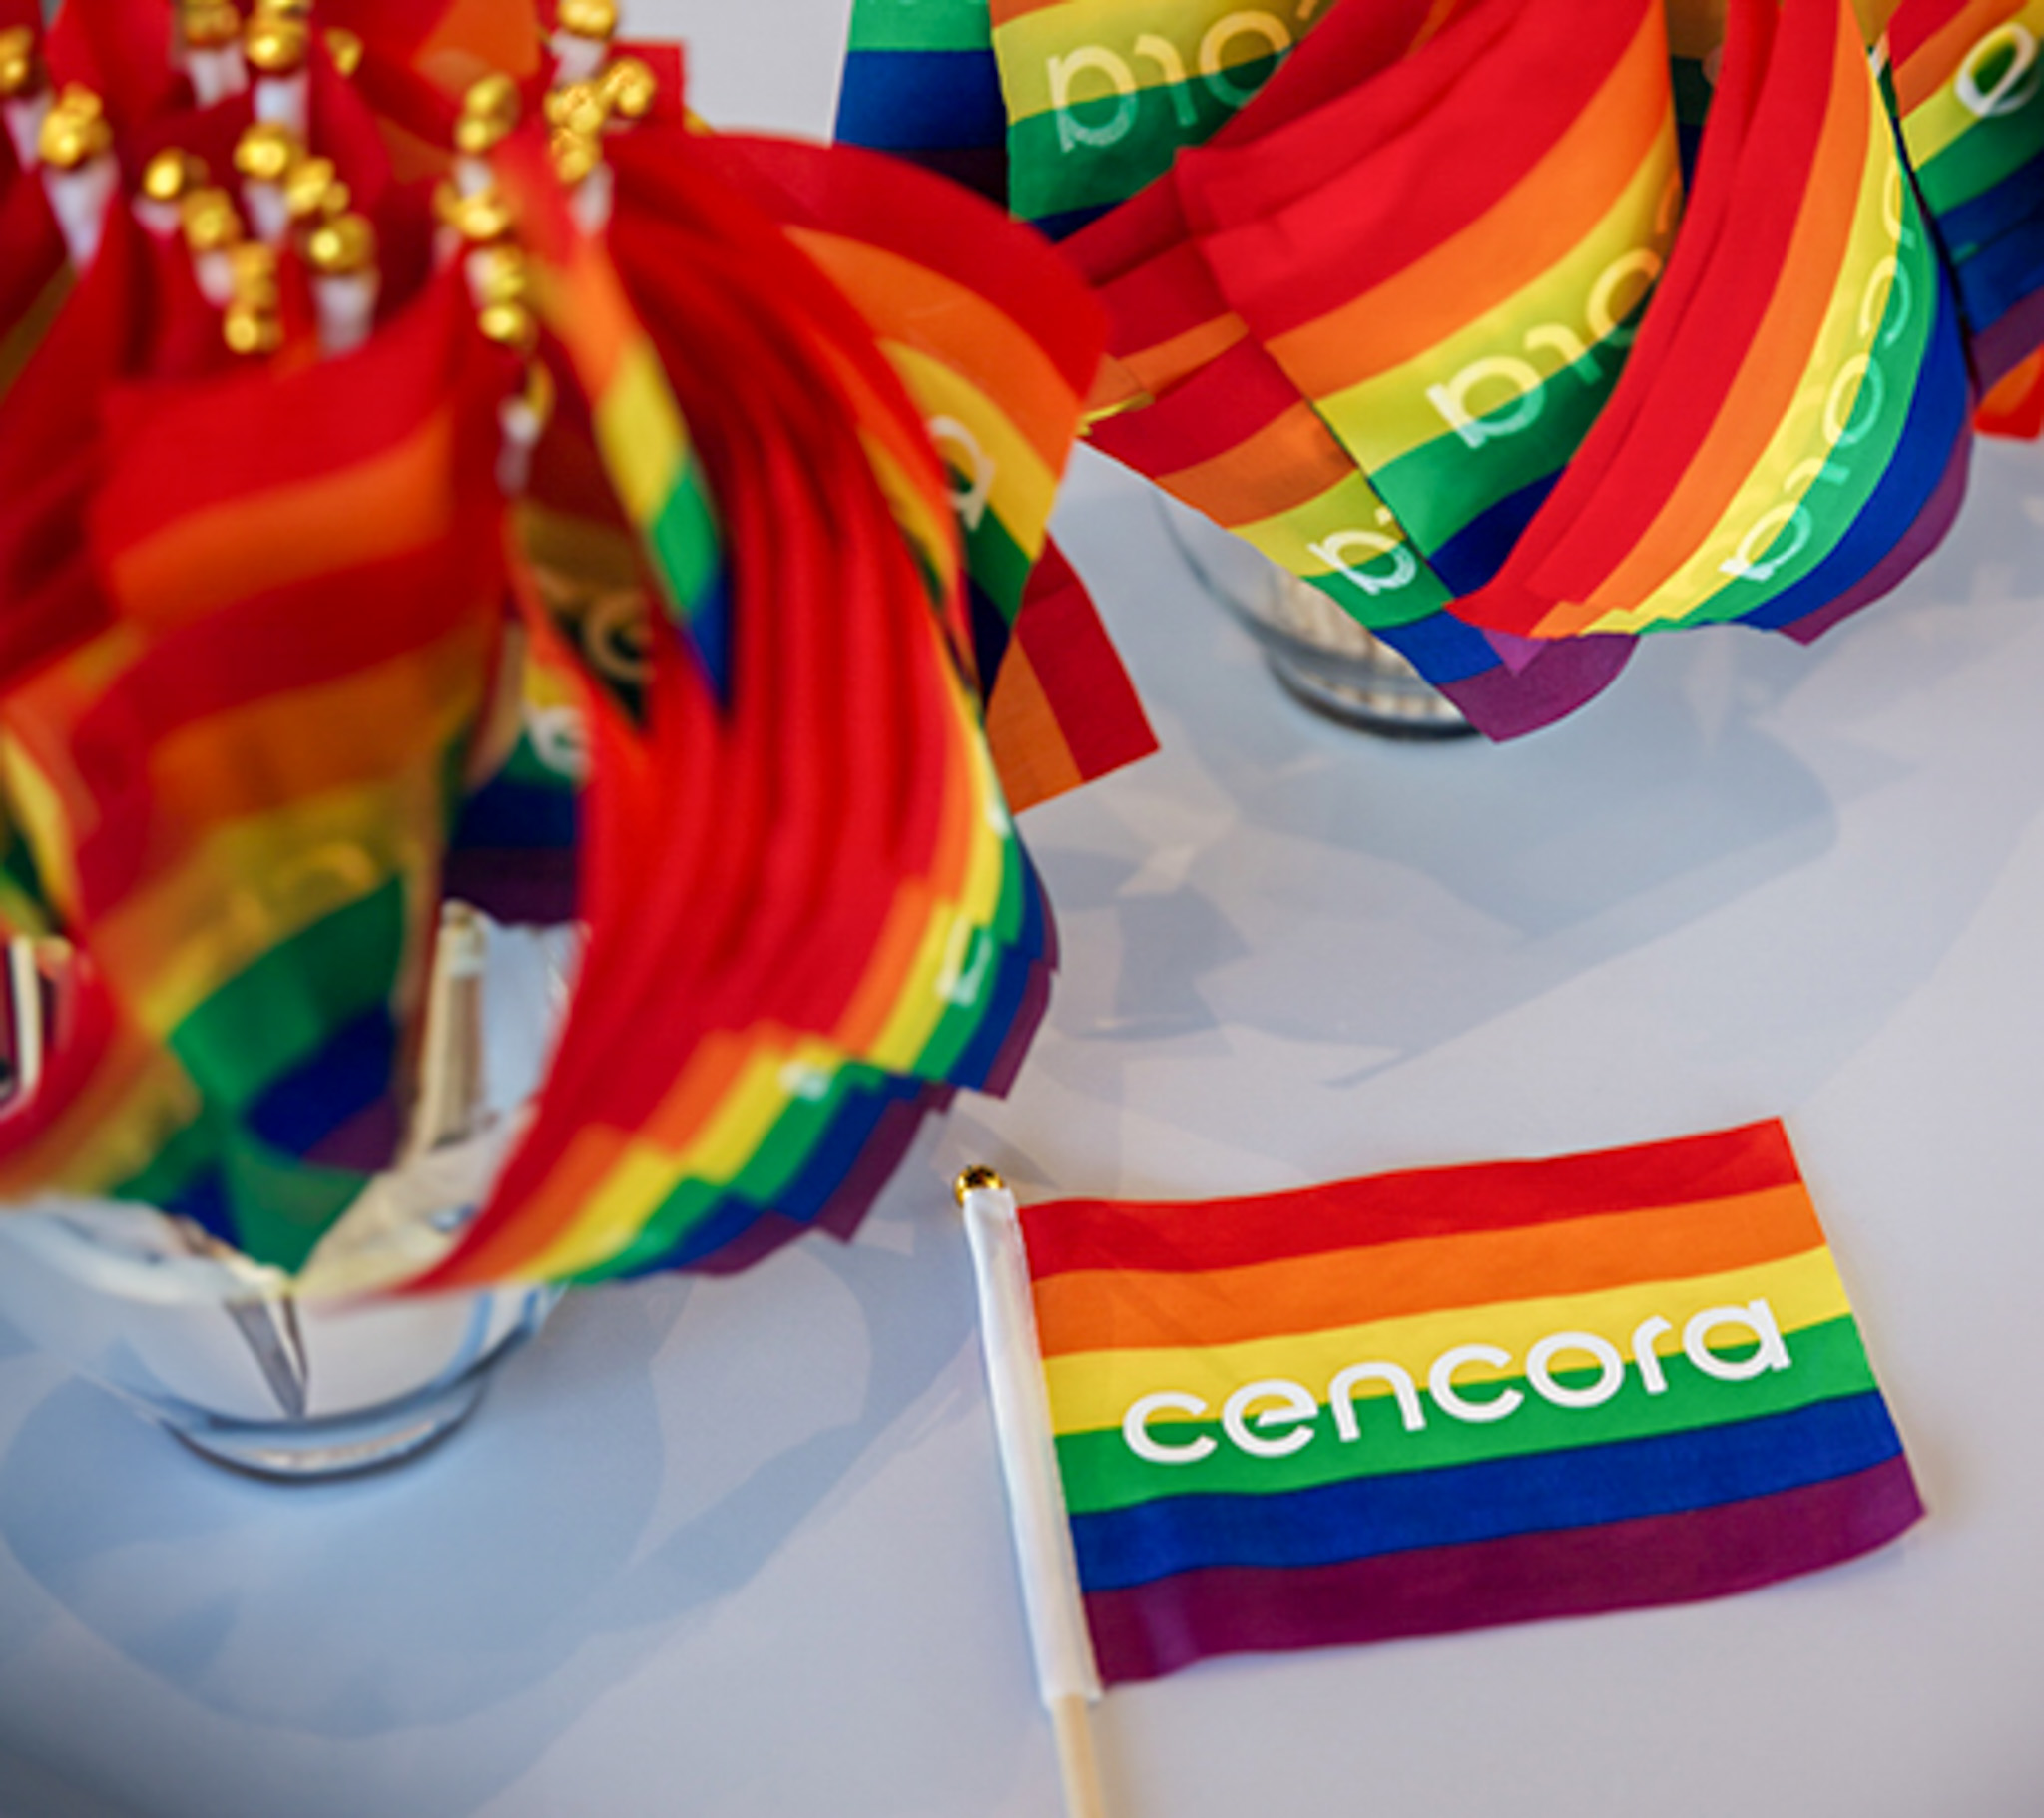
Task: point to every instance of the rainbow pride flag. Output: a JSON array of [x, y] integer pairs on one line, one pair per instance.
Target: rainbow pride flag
[[1063, 711], [1439, 1399], [1352, 403], [240, 792], [991, 334], [1968, 89], [639, 430], [766, 1005], [1459, 335], [1790, 433], [997, 344]]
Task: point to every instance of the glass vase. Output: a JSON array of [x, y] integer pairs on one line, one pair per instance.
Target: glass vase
[[1319, 654], [317, 1374]]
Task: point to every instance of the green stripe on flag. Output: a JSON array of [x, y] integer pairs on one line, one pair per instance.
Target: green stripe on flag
[[281, 1205], [1853, 468], [1103, 148], [280, 1009], [995, 560], [921, 25], [1099, 1471], [684, 537], [1444, 485]]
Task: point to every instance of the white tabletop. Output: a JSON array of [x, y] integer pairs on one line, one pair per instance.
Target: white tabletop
[[737, 1549]]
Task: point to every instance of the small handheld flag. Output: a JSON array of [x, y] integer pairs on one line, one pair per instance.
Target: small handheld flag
[[1065, 1670], [1443, 1400]]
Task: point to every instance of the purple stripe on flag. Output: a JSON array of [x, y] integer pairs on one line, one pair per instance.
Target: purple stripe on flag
[[1503, 702], [1152, 1629], [1922, 537], [2003, 345]]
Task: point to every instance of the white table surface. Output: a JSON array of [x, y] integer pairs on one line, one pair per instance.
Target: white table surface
[[737, 1549]]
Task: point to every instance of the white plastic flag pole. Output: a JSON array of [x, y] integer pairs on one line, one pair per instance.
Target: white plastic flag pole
[[1065, 1669]]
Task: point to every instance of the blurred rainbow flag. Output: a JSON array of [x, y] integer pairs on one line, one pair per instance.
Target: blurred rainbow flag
[[239, 793], [764, 1007], [1437, 1400]]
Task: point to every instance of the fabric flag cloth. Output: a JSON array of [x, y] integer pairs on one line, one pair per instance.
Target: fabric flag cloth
[[1790, 435], [1063, 711], [1433, 1401], [242, 788], [765, 1007], [2015, 407], [921, 81], [685, 494], [1971, 100], [1524, 330], [997, 346]]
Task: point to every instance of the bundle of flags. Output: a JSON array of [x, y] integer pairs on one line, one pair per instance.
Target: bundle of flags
[[432, 466], [1522, 329], [1443, 1400]]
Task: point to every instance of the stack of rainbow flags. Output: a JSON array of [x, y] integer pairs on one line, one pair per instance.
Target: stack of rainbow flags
[[1521, 328], [431, 464]]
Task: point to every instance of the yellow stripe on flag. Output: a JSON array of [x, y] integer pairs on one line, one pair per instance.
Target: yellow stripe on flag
[[1095, 1389]]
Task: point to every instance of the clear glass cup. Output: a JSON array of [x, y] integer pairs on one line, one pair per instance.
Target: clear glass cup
[[238, 1367], [315, 1375], [1318, 653]]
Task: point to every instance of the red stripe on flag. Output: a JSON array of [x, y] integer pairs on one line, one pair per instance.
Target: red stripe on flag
[[1067, 711], [1231, 1233]]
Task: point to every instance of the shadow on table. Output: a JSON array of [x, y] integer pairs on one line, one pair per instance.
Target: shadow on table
[[1813, 829], [628, 1473]]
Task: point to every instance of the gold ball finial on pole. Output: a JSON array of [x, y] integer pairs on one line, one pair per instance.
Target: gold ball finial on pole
[[267, 151], [978, 1178], [312, 190], [489, 111], [172, 175], [75, 130], [596, 19], [21, 63], [251, 324], [277, 43], [208, 25], [575, 154], [211, 222], [627, 86], [343, 246]]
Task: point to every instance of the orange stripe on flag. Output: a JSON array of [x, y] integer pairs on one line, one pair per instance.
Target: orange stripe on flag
[[1496, 256], [1290, 461], [1113, 1310], [1030, 753], [387, 506]]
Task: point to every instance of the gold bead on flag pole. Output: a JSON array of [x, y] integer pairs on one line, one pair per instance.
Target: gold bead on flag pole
[[75, 147], [24, 90], [277, 44], [209, 34], [583, 30], [264, 157]]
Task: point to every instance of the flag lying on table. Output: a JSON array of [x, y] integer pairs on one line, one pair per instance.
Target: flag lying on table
[[1441, 1400]]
